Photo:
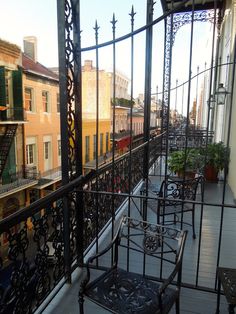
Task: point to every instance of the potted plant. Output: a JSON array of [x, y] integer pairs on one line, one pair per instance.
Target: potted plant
[[217, 158], [185, 162]]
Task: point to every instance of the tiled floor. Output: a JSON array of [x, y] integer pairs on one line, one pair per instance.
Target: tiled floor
[[192, 301]]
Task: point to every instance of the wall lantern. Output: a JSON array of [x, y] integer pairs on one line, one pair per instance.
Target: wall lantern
[[211, 102], [221, 94]]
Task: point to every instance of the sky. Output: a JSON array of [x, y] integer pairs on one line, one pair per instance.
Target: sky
[[19, 18], [39, 18]]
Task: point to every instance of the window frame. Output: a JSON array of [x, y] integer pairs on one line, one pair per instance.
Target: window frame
[[46, 146], [58, 102], [30, 154], [87, 148], [94, 146], [107, 141], [31, 107], [45, 103], [101, 144], [59, 147]]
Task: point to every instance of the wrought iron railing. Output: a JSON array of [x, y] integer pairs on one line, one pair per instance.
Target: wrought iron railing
[[51, 174], [33, 253], [18, 179], [13, 114], [195, 138], [42, 243]]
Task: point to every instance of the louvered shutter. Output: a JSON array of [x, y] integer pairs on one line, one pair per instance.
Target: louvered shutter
[[17, 94]]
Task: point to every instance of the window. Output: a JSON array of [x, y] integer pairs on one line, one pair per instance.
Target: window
[[58, 103], [30, 149], [46, 150], [101, 144], [94, 145], [45, 101], [59, 148], [87, 148], [107, 141], [29, 99], [47, 146], [7, 85]]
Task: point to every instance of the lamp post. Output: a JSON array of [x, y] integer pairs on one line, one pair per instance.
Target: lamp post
[[221, 94], [211, 102]]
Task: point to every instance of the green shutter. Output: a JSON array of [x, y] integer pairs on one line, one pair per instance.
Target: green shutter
[[2, 92], [17, 94], [2, 87], [10, 167]]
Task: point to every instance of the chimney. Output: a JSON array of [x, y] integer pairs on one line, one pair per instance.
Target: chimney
[[30, 47], [88, 65]]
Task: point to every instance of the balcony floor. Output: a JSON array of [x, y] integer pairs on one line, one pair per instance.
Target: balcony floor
[[192, 301]]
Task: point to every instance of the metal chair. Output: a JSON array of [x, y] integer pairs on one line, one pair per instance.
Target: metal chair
[[145, 259], [175, 194]]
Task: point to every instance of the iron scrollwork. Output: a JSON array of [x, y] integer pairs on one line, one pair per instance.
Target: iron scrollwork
[[98, 207], [173, 23]]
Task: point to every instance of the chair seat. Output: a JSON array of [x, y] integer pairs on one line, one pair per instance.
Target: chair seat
[[124, 292], [173, 209]]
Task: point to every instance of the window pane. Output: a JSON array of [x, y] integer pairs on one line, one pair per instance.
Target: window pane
[[107, 142], [28, 99], [45, 101], [101, 144], [30, 154], [86, 148], [59, 147], [46, 150], [58, 103], [94, 146]]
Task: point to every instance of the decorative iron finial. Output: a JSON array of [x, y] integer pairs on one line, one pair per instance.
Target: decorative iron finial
[[132, 14], [113, 22], [96, 28], [151, 8]]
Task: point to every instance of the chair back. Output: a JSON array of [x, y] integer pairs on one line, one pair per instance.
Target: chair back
[[174, 189], [152, 249]]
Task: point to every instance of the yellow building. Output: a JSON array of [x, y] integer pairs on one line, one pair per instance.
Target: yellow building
[[42, 132], [90, 113]]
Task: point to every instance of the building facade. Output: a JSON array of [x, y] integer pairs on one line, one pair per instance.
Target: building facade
[[96, 114], [42, 132], [14, 178]]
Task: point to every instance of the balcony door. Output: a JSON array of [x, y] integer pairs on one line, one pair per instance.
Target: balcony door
[[47, 155]]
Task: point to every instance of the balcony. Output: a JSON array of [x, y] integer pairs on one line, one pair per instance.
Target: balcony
[[49, 177], [102, 210], [18, 181], [12, 115], [44, 246], [200, 299]]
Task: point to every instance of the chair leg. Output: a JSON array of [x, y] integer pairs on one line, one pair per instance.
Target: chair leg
[[231, 308], [81, 303], [177, 306], [193, 224]]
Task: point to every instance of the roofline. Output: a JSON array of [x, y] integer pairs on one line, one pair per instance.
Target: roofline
[[41, 75]]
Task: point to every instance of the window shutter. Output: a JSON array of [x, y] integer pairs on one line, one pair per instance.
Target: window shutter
[[2, 87], [10, 167], [17, 94]]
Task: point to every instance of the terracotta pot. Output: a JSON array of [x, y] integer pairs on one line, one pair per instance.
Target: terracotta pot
[[211, 174], [188, 174]]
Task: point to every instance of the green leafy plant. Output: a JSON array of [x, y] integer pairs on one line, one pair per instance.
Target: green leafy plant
[[217, 155], [189, 160]]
